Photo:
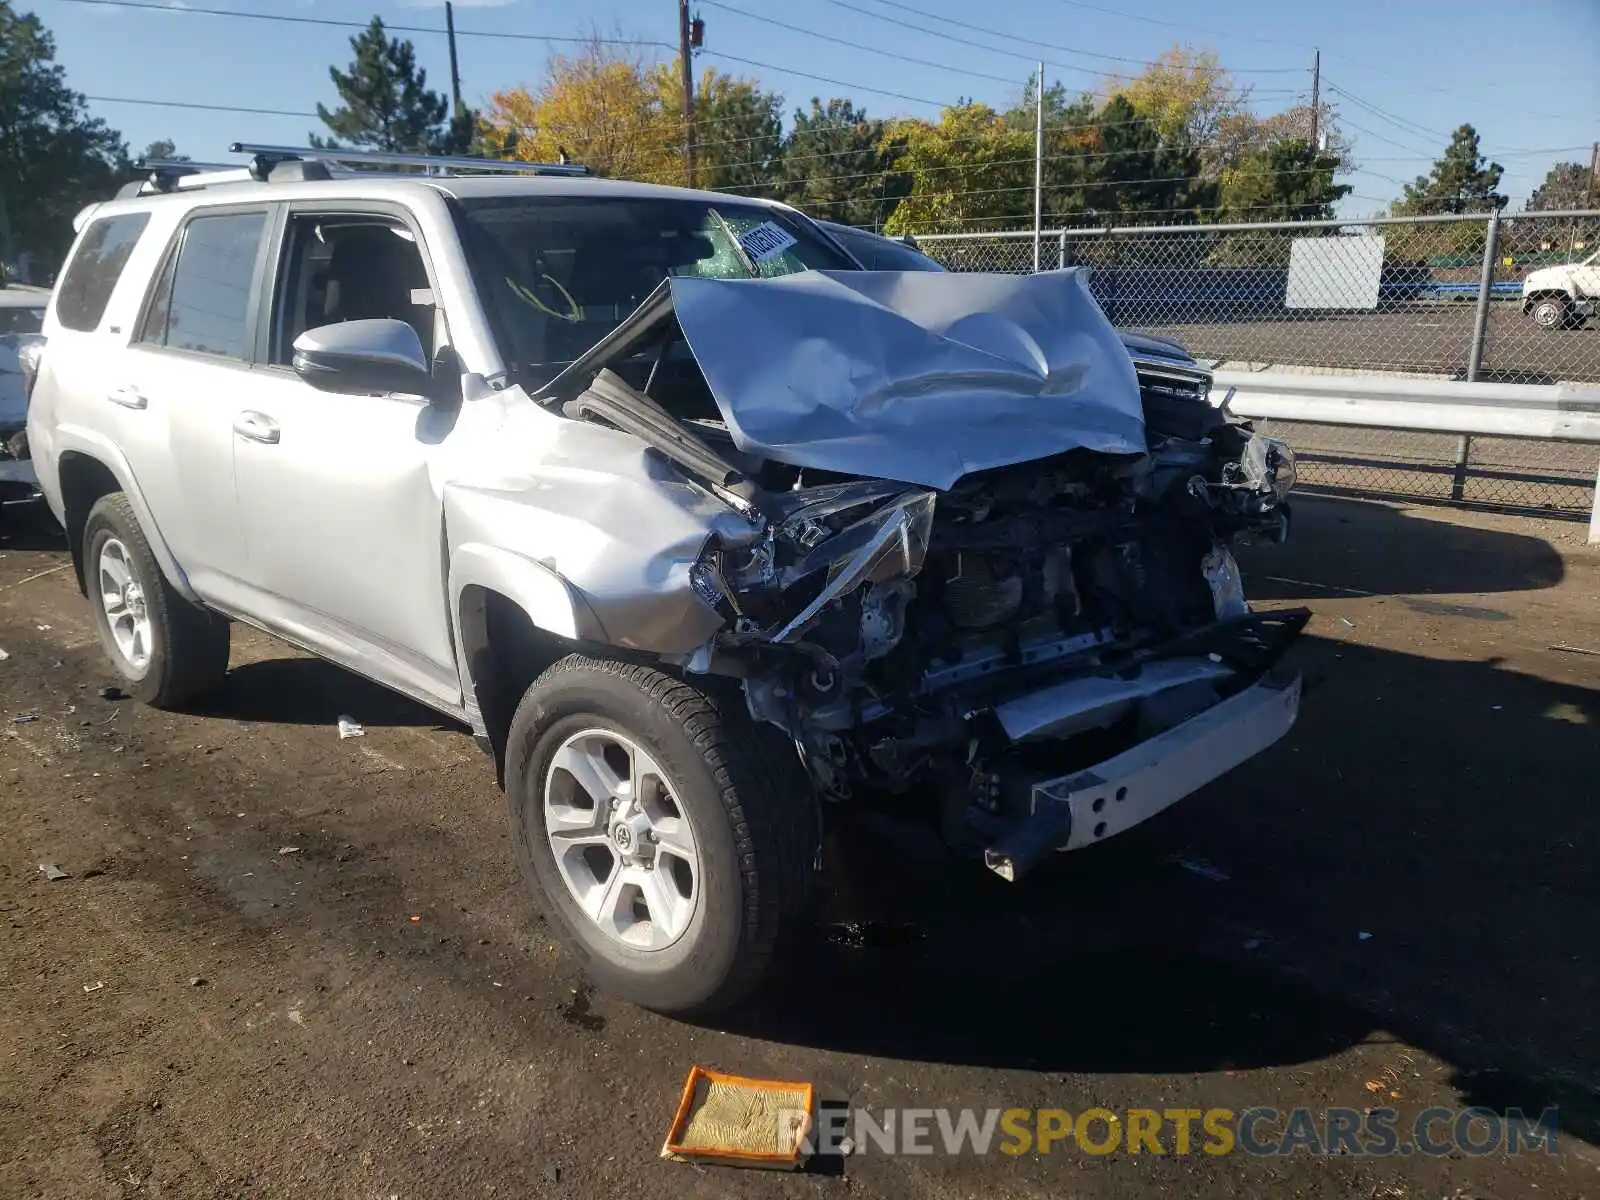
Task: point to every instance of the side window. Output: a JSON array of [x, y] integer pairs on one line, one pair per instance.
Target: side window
[[202, 301], [348, 267], [85, 288]]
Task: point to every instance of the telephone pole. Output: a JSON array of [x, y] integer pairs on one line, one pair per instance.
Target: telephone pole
[[455, 71], [1316, 100], [1038, 165], [687, 66]]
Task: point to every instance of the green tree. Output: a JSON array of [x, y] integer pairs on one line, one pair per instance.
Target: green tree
[[841, 166], [1567, 185], [1135, 172], [738, 131], [162, 150], [1460, 182], [54, 157], [386, 101], [1286, 181]]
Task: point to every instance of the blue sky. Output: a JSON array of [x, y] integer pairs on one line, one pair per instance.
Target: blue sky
[[1527, 75]]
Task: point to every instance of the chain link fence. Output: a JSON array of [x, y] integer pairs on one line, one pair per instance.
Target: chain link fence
[[1441, 298]]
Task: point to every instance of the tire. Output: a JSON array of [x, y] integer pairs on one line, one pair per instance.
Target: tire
[[1550, 312], [752, 821], [183, 650]]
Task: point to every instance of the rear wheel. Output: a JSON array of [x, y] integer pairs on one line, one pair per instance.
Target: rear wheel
[[166, 649], [669, 837], [1550, 312]]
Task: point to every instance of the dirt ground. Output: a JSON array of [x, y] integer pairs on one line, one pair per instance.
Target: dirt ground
[[1399, 900]]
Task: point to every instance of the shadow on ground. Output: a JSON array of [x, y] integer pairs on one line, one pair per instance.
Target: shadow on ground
[[1443, 809], [309, 691], [1452, 822], [1355, 547], [28, 525]]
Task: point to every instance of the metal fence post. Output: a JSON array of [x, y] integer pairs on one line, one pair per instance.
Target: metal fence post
[[1061, 251], [1480, 325], [1491, 245], [1594, 513]]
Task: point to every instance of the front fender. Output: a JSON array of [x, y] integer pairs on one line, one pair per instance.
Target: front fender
[[76, 439], [550, 602]]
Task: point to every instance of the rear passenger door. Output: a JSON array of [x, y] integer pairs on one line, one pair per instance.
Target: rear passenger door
[[191, 353]]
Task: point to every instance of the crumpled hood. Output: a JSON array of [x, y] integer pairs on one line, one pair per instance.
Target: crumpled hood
[[915, 376]]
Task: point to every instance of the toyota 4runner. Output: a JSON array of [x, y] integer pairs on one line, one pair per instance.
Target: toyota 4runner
[[699, 526]]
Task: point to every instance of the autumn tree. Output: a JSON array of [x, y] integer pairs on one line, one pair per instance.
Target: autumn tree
[[1190, 97], [971, 170], [386, 101], [54, 157], [602, 106]]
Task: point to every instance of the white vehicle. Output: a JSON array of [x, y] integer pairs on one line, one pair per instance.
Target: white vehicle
[[1562, 297]]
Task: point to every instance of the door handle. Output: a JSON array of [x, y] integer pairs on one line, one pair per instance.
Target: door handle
[[258, 427], [128, 397]]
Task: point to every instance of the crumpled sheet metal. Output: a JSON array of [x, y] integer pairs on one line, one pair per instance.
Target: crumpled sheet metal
[[916, 376]]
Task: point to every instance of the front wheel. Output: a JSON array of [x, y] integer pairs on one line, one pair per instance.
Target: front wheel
[[669, 837], [1550, 312]]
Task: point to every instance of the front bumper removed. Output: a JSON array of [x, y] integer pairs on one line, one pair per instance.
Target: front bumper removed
[[1089, 806]]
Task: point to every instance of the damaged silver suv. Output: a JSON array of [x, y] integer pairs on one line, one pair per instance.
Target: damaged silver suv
[[700, 527]]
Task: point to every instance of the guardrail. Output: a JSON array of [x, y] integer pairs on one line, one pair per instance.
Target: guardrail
[[1558, 413]]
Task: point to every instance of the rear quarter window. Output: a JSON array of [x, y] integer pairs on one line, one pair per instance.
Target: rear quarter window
[[86, 287]]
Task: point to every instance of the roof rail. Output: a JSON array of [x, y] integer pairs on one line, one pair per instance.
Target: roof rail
[[265, 157]]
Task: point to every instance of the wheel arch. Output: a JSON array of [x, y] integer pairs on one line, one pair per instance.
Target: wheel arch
[[513, 618], [87, 472]]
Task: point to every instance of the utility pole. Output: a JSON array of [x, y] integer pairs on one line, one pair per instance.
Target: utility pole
[[1038, 165], [1316, 100], [455, 71], [687, 66]]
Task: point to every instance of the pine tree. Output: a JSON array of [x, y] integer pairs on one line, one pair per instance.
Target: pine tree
[[1460, 182], [387, 104]]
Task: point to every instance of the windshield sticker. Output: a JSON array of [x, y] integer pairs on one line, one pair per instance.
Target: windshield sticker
[[766, 241]]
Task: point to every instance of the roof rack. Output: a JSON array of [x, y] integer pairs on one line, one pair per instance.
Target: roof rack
[[432, 164], [290, 164]]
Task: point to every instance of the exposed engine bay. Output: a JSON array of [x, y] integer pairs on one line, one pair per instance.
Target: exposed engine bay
[[980, 642]]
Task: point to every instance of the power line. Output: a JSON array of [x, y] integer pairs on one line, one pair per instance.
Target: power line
[[975, 167], [1137, 62], [838, 41], [331, 22], [1349, 124], [1217, 33], [229, 108], [844, 83], [1401, 123]]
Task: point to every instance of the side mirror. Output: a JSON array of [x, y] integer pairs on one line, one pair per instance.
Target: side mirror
[[359, 358]]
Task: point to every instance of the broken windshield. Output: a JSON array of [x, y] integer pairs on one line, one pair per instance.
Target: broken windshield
[[558, 273]]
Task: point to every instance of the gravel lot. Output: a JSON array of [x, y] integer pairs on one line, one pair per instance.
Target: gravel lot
[[379, 1013]]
